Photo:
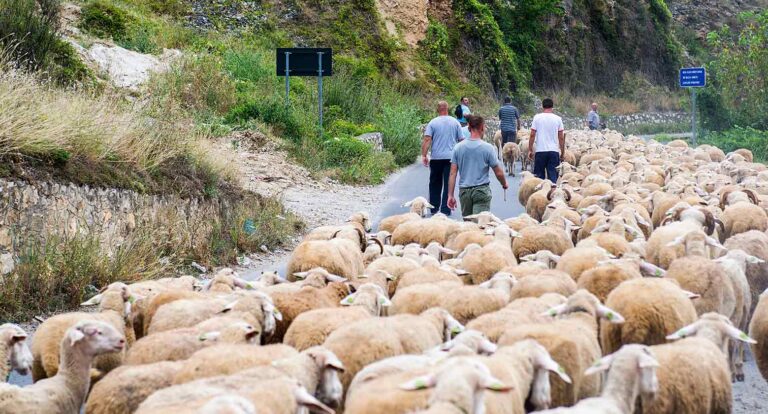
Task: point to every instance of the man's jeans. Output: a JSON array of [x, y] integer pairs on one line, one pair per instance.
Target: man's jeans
[[546, 162], [439, 173], [508, 136]]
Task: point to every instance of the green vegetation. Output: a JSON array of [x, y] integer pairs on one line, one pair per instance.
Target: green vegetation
[[735, 138], [655, 128], [56, 274]]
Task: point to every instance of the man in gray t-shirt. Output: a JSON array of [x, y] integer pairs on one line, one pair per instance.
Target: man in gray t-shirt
[[472, 159], [441, 135], [593, 118]]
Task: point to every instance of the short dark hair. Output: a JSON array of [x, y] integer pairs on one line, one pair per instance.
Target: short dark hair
[[547, 103], [463, 98], [507, 99], [475, 122]]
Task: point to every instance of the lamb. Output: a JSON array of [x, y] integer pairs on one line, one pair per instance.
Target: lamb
[[227, 359], [652, 308], [313, 327], [491, 258], [124, 388], [510, 152], [370, 340], [754, 243], [632, 374], [758, 329], [706, 385], [14, 351], [308, 298], [65, 391], [46, 344], [180, 344], [572, 340], [418, 209], [338, 256]]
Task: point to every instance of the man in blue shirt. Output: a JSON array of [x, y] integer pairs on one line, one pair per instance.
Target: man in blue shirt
[[441, 135], [593, 118], [510, 121], [472, 160], [464, 106]]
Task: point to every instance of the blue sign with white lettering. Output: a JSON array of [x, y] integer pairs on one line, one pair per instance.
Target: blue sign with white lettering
[[693, 78]]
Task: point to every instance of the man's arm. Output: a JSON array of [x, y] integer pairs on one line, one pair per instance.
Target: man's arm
[[500, 176], [517, 115], [452, 186], [531, 140], [561, 138], [425, 144]]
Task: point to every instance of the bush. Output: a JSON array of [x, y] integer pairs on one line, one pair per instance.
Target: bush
[[273, 112], [28, 30], [65, 66], [401, 130], [735, 138], [436, 44], [372, 169], [104, 19], [344, 151]]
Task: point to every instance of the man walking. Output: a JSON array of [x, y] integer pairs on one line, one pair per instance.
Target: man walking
[[547, 133], [441, 135], [471, 161], [593, 118], [510, 121], [462, 111]]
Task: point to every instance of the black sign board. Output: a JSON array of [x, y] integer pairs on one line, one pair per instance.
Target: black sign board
[[304, 61]]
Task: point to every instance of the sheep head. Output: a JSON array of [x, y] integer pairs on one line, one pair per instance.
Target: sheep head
[[632, 360], [715, 327], [15, 339], [419, 205]]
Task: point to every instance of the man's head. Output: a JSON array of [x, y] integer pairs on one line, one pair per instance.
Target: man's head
[[442, 108], [476, 124], [465, 100], [547, 103], [507, 100], [594, 106]]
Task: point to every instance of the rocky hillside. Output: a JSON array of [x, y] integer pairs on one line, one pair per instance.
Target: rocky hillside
[[703, 16]]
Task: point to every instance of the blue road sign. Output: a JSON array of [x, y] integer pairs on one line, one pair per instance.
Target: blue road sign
[[693, 77]]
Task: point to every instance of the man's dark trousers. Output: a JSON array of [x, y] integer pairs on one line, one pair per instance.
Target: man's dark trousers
[[546, 161], [508, 136], [439, 173]]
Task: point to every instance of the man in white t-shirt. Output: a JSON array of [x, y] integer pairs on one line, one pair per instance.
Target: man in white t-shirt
[[547, 133]]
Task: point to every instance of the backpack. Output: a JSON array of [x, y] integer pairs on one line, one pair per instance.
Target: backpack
[[459, 112]]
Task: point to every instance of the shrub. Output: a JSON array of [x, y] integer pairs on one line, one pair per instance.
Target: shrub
[[273, 112], [344, 151], [401, 130], [735, 138], [104, 19], [28, 30], [65, 66], [436, 44], [372, 169]]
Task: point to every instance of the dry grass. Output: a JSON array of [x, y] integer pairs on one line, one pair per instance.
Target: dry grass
[[652, 101]]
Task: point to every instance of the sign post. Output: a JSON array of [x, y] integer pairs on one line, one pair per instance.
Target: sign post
[[693, 78], [308, 62]]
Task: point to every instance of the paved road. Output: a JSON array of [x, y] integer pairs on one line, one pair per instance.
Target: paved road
[[413, 181]]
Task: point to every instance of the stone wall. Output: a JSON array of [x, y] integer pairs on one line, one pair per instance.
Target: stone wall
[[31, 212]]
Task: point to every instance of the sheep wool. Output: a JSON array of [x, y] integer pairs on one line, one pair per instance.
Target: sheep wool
[[758, 329]]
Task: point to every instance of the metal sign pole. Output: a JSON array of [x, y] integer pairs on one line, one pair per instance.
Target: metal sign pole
[[320, 90], [287, 79], [693, 116]]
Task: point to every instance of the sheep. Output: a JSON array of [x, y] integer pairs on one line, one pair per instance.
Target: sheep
[[308, 298], [693, 373], [614, 244], [113, 306], [520, 222], [632, 373], [510, 152], [180, 344], [519, 311], [14, 351], [652, 309], [425, 231], [528, 185], [418, 209], [543, 237], [354, 230], [758, 329], [280, 395], [571, 340], [313, 327], [227, 359], [370, 340], [577, 260], [742, 217], [338, 256], [491, 258], [547, 281], [426, 274], [65, 391], [124, 388], [543, 256], [466, 238], [603, 278], [755, 244]]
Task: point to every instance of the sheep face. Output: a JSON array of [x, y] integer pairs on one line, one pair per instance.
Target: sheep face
[[20, 356], [329, 390], [419, 205], [95, 338], [632, 360]]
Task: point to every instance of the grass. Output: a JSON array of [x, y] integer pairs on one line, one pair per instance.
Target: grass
[[620, 104], [57, 273], [735, 138], [654, 128]]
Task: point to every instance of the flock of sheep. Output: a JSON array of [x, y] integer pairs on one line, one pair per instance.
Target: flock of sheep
[[628, 286]]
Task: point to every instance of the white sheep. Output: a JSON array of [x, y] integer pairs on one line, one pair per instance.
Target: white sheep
[[65, 392], [419, 207], [14, 351]]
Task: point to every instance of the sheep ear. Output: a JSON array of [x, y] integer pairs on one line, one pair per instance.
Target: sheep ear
[[600, 365], [209, 336], [447, 251], [460, 272], [678, 241], [545, 361], [335, 278], [647, 361], [349, 300], [555, 258], [92, 301], [419, 383], [228, 307], [684, 332], [554, 311], [640, 220], [307, 400], [407, 204], [528, 258], [738, 335], [714, 243], [127, 309], [691, 295], [754, 260], [609, 314], [301, 275], [492, 383], [489, 231], [485, 285], [75, 335], [384, 302]]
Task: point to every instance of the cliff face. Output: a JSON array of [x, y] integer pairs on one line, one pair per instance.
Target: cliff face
[[703, 16]]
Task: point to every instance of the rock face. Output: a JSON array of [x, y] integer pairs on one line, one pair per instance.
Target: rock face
[[31, 212], [126, 68], [405, 18], [704, 16], [376, 139]]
